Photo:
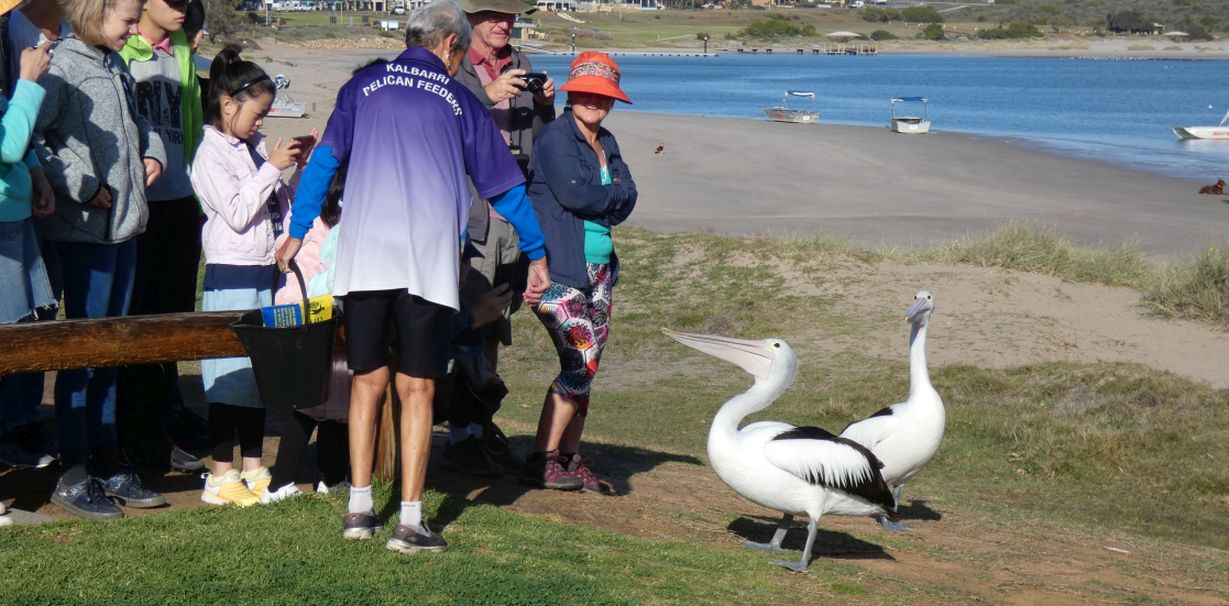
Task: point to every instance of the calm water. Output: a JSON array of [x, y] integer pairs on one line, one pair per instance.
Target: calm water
[[1117, 111]]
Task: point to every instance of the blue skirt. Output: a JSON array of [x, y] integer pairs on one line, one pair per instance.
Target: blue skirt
[[22, 272], [227, 288]]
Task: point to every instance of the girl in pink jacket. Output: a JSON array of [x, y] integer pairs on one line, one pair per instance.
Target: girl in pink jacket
[[238, 182]]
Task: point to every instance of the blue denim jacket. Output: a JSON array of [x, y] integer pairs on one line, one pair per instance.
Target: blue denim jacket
[[566, 191]]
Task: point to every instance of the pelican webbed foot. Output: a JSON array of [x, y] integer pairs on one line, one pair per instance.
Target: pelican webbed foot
[[769, 547], [890, 525], [792, 565]]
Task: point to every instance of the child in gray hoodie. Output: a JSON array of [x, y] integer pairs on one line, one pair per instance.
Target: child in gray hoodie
[[99, 157]]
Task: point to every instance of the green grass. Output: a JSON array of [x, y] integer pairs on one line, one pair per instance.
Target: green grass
[[1199, 288], [293, 553], [1029, 248]]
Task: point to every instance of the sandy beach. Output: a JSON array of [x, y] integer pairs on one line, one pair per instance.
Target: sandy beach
[[874, 187]]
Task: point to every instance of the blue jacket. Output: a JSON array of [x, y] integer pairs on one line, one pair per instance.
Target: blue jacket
[[566, 191]]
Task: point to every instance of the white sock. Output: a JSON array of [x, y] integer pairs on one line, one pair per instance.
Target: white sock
[[360, 500], [475, 430], [411, 513], [456, 435]]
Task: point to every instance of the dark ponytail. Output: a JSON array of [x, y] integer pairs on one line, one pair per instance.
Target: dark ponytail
[[231, 76], [330, 211]]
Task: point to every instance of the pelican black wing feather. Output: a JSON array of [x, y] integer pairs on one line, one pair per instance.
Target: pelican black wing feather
[[870, 487]]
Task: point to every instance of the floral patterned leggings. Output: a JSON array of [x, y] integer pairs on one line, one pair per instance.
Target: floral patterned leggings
[[578, 322]]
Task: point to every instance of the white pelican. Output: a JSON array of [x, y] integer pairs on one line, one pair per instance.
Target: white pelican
[[794, 470], [906, 436]]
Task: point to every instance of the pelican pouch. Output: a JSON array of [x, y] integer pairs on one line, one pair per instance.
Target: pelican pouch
[[293, 364]]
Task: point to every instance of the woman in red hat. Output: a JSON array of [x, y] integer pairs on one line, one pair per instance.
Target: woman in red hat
[[580, 188]]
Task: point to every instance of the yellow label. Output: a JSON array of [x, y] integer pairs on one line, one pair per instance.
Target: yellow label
[[320, 308]]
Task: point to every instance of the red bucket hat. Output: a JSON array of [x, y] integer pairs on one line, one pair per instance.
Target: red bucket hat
[[596, 73]]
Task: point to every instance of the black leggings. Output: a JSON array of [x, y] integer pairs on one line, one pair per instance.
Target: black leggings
[[225, 420], [332, 449]]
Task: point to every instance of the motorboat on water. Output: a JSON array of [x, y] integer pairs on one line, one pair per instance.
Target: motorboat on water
[[1219, 132], [783, 113], [910, 124]]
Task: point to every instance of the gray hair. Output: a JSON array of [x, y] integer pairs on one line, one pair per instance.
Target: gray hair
[[428, 26]]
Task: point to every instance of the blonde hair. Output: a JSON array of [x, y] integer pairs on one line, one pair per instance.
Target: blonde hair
[[85, 17]]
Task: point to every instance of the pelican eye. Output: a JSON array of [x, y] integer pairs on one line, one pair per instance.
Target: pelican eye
[[927, 297], [777, 345]]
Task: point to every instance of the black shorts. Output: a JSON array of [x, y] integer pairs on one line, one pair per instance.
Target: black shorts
[[421, 328]]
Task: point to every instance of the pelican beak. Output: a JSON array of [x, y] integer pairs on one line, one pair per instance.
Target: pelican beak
[[755, 357], [919, 307]]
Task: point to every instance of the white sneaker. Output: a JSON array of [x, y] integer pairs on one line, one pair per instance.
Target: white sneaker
[[281, 494], [5, 520]]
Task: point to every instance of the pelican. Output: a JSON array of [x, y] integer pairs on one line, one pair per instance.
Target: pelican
[[799, 471], [906, 436]]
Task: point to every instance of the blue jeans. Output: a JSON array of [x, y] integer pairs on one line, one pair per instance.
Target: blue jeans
[[97, 284]]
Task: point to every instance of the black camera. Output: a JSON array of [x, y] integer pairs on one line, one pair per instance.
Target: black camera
[[535, 83]]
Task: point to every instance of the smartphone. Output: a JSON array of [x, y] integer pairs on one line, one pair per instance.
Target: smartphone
[[305, 141]]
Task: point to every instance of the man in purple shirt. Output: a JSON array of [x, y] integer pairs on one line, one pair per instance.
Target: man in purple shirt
[[411, 136]]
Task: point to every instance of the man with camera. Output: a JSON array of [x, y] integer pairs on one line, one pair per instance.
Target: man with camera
[[521, 102]]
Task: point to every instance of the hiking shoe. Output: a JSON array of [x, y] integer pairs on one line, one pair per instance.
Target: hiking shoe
[[227, 489], [182, 460], [279, 495], [15, 455], [126, 487], [546, 470], [86, 499], [360, 525], [257, 480], [412, 539], [469, 457], [495, 443], [580, 466]]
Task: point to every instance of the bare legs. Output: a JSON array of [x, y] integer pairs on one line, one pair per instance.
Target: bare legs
[[414, 426], [559, 427]]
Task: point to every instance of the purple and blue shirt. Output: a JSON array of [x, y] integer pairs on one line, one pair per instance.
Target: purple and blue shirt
[[411, 135]]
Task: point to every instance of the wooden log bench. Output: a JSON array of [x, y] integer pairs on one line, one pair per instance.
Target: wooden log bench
[[180, 337]]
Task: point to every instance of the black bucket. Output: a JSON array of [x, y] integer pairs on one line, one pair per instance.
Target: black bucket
[[292, 364]]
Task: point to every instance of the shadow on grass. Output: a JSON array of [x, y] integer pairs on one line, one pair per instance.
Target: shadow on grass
[[828, 543], [615, 463], [917, 510]]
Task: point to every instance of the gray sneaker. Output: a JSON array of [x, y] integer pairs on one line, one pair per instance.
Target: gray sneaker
[[360, 525], [411, 539]]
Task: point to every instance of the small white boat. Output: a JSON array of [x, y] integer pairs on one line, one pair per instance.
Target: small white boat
[[285, 107], [783, 113], [910, 124], [1219, 132]]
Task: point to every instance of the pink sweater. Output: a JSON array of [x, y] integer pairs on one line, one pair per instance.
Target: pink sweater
[[233, 195]]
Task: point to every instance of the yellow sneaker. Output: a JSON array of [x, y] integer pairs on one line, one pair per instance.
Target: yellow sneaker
[[227, 490], [257, 480]]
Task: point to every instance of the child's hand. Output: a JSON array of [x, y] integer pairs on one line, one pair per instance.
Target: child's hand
[[44, 198], [285, 153], [153, 170], [34, 62], [102, 199], [491, 305], [308, 143]]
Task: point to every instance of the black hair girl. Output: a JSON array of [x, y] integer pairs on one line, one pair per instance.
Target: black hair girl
[[231, 76]]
